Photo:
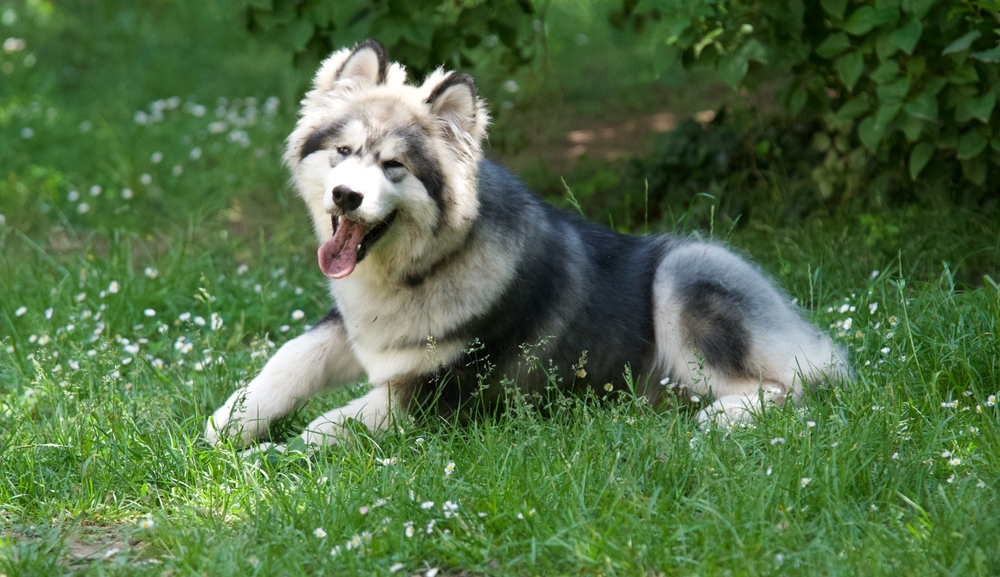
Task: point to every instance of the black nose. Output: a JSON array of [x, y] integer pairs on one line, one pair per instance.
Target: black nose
[[347, 199]]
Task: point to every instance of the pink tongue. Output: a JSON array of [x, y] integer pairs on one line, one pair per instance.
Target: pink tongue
[[339, 255]]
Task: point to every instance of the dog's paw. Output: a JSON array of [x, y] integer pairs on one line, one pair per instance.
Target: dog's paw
[[728, 412], [264, 450]]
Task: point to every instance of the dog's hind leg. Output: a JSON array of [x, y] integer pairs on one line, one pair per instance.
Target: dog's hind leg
[[302, 367], [722, 329]]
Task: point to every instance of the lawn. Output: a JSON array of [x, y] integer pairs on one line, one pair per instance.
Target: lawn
[[152, 257]]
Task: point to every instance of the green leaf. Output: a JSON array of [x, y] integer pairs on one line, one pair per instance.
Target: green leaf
[[936, 85], [850, 66], [992, 55], [962, 43], [299, 33], [884, 47], [733, 67], [970, 145], [918, 8], [980, 108], [833, 45], [895, 92], [964, 75], [260, 4], [798, 101], [911, 127], [915, 66], [853, 108], [919, 157], [995, 143], [975, 170], [906, 38], [924, 107], [835, 8], [864, 19], [870, 133], [887, 113], [886, 73]]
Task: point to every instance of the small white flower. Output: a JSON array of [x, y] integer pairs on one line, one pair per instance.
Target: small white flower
[[581, 373], [156, 158], [96, 190], [146, 523], [777, 440], [893, 321], [981, 484], [395, 567], [951, 479], [149, 313], [184, 317], [805, 481], [875, 273], [810, 424], [409, 528], [146, 179], [449, 468], [195, 153], [431, 572], [319, 532], [20, 311], [608, 387], [284, 328], [73, 196], [114, 287], [217, 321], [177, 170], [427, 505], [127, 193], [151, 272], [844, 308], [199, 321], [872, 308], [298, 315], [335, 551], [946, 454], [991, 401], [83, 208], [242, 269], [955, 461], [81, 297], [848, 323]]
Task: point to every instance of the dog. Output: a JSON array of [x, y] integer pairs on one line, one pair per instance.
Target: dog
[[447, 273]]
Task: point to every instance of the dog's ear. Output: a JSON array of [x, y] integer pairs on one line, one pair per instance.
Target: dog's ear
[[454, 100], [367, 64]]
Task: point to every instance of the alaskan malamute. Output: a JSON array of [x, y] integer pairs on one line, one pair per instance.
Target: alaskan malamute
[[445, 270]]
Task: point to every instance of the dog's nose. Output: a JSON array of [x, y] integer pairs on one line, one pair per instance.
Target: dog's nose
[[347, 199]]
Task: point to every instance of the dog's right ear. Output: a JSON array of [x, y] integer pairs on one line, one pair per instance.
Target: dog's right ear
[[369, 63], [366, 63]]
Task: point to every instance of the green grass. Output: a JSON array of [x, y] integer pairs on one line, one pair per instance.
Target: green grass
[[103, 470]]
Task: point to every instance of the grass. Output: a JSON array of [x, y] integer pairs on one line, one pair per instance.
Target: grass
[[125, 325]]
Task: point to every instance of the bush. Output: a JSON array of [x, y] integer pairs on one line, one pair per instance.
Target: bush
[[907, 86], [422, 35]]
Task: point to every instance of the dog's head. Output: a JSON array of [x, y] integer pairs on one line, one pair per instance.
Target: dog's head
[[388, 169]]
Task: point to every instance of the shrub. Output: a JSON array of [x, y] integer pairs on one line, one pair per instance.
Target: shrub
[[908, 86], [422, 35]]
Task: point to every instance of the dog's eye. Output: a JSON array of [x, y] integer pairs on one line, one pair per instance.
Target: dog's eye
[[345, 150], [387, 164]]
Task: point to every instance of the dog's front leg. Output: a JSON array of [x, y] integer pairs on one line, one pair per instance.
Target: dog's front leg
[[373, 410], [303, 366]]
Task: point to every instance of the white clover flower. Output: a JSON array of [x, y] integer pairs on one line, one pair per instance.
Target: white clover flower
[[298, 315], [114, 287], [20, 311], [805, 481], [149, 312], [319, 532], [449, 468]]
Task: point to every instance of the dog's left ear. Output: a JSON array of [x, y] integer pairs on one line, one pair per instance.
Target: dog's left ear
[[454, 100]]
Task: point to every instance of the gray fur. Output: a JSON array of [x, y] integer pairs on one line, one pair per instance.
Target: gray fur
[[465, 267]]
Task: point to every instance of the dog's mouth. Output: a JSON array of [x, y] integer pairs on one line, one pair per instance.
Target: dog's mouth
[[349, 244]]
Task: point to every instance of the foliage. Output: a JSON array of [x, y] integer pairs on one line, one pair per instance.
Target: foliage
[[422, 35], [909, 86]]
